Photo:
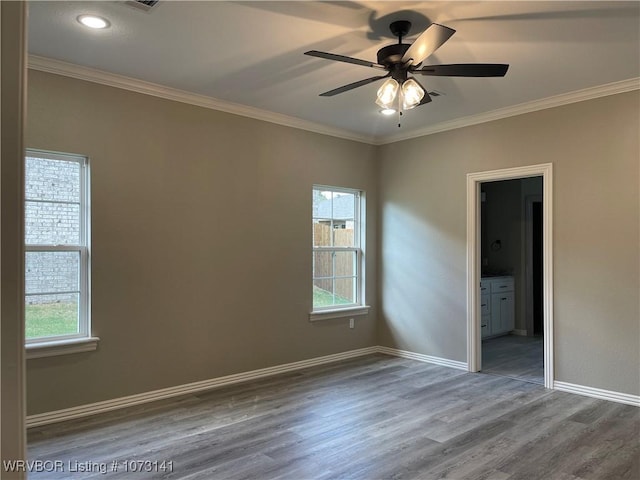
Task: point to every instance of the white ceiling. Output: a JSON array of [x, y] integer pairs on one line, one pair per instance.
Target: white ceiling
[[251, 53]]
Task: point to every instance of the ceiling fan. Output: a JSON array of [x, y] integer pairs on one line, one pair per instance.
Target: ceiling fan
[[401, 91]]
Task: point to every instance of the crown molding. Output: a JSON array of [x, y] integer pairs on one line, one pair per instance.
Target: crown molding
[[520, 109], [59, 67], [79, 72]]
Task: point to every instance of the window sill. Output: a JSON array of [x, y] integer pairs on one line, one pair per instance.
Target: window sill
[[346, 312], [61, 347]]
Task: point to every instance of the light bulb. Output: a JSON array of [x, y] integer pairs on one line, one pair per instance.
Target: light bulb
[[388, 111], [412, 93], [387, 93]]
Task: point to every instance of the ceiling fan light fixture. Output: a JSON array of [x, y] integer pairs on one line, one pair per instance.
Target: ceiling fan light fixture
[[400, 91], [412, 94], [387, 93]]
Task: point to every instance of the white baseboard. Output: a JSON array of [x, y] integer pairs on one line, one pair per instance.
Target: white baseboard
[[195, 387], [598, 393], [445, 362]]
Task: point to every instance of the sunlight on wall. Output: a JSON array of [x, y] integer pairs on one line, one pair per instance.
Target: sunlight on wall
[[423, 282]]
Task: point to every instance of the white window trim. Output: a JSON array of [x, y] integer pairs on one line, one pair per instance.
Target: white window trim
[[344, 312], [52, 348], [359, 307], [83, 341]]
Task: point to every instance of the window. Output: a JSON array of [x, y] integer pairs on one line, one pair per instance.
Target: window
[[337, 249], [56, 248]]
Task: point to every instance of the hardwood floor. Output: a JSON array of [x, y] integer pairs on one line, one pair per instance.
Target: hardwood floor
[[514, 356], [374, 417]]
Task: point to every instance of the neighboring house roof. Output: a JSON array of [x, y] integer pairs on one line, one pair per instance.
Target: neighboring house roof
[[342, 208]]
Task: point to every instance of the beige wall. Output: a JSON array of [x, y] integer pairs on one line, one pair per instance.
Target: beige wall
[[593, 146], [201, 239]]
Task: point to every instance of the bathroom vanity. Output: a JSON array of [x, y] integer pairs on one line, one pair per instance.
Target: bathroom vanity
[[497, 305]]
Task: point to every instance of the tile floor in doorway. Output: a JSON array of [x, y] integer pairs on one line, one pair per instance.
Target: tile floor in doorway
[[514, 356]]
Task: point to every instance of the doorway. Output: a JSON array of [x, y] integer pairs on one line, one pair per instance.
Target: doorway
[[540, 211], [511, 278]]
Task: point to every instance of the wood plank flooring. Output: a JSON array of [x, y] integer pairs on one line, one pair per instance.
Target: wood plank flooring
[[373, 417], [514, 356]]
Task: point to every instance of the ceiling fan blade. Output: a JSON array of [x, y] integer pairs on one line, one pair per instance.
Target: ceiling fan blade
[[425, 99], [351, 86], [464, 70], [342, 58], [427, 43]]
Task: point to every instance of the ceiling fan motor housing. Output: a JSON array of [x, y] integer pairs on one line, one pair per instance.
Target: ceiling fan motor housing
[[392, 54]]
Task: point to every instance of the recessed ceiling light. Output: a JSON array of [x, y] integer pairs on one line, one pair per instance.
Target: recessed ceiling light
[[387, 111], [93, 21]]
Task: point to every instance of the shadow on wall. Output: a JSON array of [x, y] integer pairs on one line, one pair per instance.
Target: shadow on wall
[[423, 291]]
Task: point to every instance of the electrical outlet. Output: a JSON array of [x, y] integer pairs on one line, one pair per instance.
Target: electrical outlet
[[351, 323]]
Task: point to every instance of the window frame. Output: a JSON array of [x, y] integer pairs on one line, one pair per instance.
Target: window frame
[[82, 340], [358, 307]]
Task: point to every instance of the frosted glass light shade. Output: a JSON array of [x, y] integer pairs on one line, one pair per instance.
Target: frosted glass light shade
[[412, 93], [387, 93]]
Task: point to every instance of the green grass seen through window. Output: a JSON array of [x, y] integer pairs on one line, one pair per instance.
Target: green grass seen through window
[[49, 319], [323, 298]]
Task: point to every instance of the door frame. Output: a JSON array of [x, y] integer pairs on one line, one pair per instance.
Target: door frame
[[474, 345], [13, 58]]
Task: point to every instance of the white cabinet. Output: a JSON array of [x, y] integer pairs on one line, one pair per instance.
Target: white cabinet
[[502, 318], [497, 306]]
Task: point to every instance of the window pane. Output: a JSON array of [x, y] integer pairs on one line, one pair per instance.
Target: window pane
[[343, 235], [51, 272], [345, 290], [328, 292], [52, 223], [345, 264], [56, 180], [322, 264], [323, 293], [51, 315], [343, 206], [321, 204], [322, 233]]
